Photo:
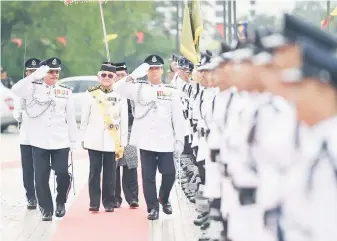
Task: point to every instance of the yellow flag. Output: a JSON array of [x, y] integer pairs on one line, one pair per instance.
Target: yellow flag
[[110, 37], [334, 12], [191, 30]]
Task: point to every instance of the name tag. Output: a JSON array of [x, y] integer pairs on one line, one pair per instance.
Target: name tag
[[164, 95]]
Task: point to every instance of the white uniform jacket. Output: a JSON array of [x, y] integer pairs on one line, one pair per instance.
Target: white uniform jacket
[[94, 131], [158, 115], [51, 122], [20, 115]]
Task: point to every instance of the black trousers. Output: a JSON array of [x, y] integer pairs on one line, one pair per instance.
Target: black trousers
[[202, 171], [28, 171], [99, 160], [150, 161], [44, 161], [129, 184]]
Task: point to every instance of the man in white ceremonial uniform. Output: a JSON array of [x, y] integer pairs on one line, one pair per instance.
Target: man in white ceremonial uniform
[[104, 132], [51, 130], [26, 149], [157, 129]]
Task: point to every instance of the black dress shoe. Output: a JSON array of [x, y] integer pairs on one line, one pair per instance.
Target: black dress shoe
[[205, 225], [134, 204], [93, 209], [31, 205], [167, 208], [153, 215], [48, 216], [117, 205], [109, 209], [60, 210], [201, 220]]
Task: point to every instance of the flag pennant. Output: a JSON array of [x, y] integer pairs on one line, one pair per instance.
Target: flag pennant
[[334, 12], [62, 40], [110, 37], [140, 37], [191, 31], [17, 41]]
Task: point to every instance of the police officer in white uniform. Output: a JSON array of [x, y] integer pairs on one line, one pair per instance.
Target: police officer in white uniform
[[26, 149], [51, 131], [156, 131], [104, 130]]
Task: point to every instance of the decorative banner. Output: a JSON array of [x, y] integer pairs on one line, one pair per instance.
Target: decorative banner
[[140, 37], [45, 41], [110, 37], [220, 28], [17, 41], [328, 19], [62, 40], [334, 12], [242, 31]]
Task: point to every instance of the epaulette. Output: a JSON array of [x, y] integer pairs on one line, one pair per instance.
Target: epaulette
[[37, 82], [141, 82], [170, 86], [65, 86], [92, 88]]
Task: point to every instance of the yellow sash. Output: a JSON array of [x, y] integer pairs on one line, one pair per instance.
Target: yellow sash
[[119, 150]]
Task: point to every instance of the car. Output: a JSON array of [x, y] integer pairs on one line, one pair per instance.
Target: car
[[79, 85], [7, 100]]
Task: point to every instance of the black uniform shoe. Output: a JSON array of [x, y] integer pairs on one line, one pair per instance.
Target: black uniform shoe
[[167, 208], [94, 209], [60, 210], [134, 204], [201, 219], [31, 204], [109, 209], [153, 215], [117, 205], [47, 216], [205, 225]]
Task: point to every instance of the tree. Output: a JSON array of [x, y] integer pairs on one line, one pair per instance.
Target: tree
[[80, 24]]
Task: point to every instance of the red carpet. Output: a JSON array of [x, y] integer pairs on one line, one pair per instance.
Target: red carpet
[[124, 224]]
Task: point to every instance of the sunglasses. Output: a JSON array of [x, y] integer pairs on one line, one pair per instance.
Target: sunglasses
[[110, 76]]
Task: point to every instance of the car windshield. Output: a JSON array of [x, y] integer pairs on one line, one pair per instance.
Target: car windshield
[[80, 86]]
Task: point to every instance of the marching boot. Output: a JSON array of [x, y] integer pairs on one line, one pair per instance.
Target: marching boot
[[153, 215], [47, 216], [31, 205], [201, 218], [60, 210]]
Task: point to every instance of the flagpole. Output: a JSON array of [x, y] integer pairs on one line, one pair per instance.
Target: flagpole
[[104, 32], [328, 12]]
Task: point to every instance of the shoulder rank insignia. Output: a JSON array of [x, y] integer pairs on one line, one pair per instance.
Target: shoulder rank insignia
[[92, 88], [65, 86], [141, 82], [37, 82], [170, 86]]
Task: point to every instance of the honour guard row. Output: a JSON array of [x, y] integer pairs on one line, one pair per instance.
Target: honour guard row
[[120, 109], [260, 154]]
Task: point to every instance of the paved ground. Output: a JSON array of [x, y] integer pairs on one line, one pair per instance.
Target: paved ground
[[19, 224]]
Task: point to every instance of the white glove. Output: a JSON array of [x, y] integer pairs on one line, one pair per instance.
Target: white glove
[[72, 146], [141, 71], [179, 148], [41, 72]]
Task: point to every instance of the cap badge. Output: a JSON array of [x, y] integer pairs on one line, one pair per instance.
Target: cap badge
[[33, 63], [54, 62], [154, 59]]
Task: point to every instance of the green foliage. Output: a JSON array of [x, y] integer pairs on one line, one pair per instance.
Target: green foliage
[[40, 23]]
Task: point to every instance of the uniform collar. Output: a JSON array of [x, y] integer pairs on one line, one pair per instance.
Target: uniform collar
[[48, 86], [105, 90]]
